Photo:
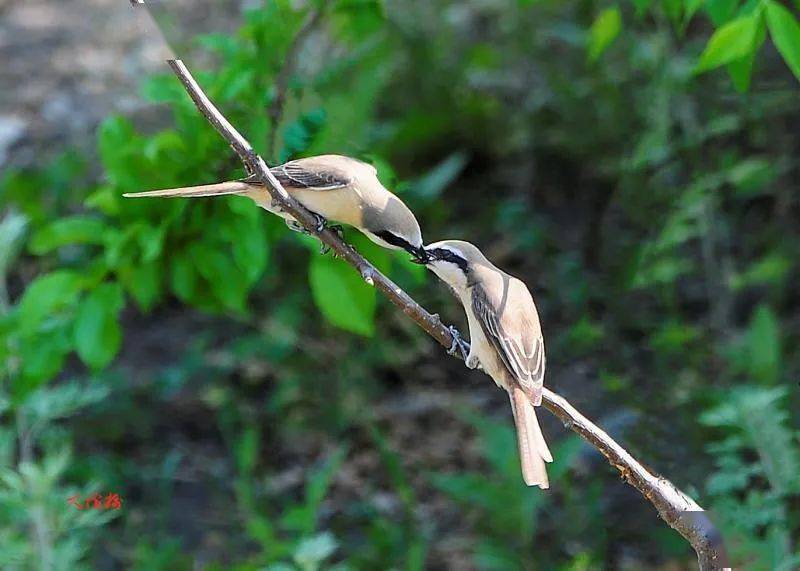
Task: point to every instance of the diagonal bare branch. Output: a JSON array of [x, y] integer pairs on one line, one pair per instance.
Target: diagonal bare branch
[[680, 511]]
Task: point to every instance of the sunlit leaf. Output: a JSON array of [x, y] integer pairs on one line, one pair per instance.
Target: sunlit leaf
[[342, 296], [741, 70], [785, 32], [729, 43], [604, 30]]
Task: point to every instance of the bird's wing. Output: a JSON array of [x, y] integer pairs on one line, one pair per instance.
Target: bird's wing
[[515, 333], [306, 175]]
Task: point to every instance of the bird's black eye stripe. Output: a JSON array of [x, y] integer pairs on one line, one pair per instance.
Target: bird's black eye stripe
[[446, 255], [395, 240]]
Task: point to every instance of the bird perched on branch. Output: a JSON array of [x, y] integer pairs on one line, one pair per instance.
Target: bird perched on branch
[[333, 187], [506, 340]]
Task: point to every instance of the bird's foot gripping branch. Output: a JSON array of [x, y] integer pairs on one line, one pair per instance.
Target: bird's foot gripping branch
[[676, 508]]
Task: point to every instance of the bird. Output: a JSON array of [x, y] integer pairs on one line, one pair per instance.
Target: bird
[[506, 340], [333, 187]]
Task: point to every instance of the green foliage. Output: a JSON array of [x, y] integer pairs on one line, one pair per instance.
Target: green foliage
[[604, 30], [754, 498], [40, 529], [785, 32], [731, 42], [293, 537], [508, 511], [342, 296], [764, 347]]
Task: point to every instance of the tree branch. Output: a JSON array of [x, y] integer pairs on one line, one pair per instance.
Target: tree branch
[[680, 511]]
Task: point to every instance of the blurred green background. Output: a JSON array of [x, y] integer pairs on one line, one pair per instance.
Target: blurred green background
[[256, 406]]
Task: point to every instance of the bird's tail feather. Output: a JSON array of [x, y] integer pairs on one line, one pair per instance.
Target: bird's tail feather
[[533, 450], [218, 189]]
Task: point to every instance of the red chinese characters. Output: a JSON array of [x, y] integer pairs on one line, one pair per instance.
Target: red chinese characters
[[97, 501]]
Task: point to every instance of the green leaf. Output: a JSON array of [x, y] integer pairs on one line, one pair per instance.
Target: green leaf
[[674, 11], [721, 11], [690, 9], [313, 551], [342, 296], [299, 135], [151, 241], [46, 295], [12, 230], [226, 281], [144, 284], [770, 270], [163, 89], [74, 230], [247, 450], [763, 342], [752, 176], [183, 277], [430, 185], [741, 70], [114, 134], [785, 32], [303, 517], [105, 200], [604, 30], [42, 356], [641, 7], [731, 42], [248, 239], [97, 331]]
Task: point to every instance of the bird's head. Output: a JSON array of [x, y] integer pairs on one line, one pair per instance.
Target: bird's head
[[451, 260]]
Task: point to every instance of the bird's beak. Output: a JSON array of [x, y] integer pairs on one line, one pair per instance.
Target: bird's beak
[[420, 256]]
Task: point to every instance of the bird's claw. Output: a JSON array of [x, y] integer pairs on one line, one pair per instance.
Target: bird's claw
[[321, 222], [458, 343], [295, 226], [335, 228]]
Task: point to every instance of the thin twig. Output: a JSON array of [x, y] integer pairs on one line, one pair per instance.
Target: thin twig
[[680, 511]]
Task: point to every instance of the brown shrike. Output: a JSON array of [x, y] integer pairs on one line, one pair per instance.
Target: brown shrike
[[333, 187], [506, 340]]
